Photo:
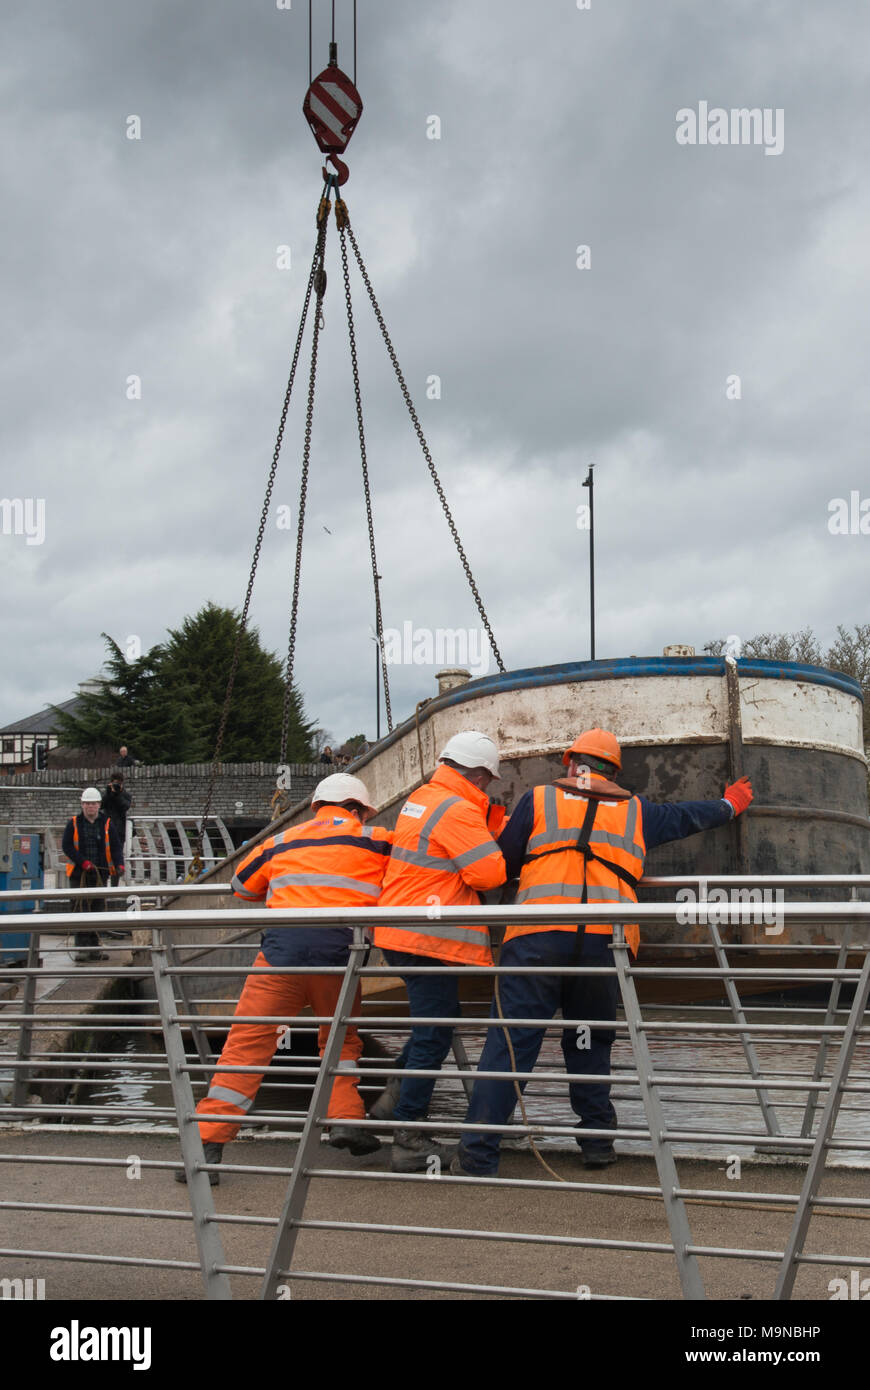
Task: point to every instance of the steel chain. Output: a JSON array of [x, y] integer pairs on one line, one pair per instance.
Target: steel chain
[[422, 438], [320, 290], [256, 557], [317, 284], [340, 218]]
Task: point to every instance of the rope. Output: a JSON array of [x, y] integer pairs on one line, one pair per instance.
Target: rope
[[522, 1103], [279, 803], [79, 903], [586, 827]]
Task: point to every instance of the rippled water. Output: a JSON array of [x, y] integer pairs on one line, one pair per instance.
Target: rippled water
[[727, 1110], [128, 1085]]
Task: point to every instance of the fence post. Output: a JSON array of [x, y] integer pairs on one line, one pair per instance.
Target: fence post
[[771, 1121], [813, 1177], [25, 1034], [678, 1222], [208, 1239], [285, 1237]]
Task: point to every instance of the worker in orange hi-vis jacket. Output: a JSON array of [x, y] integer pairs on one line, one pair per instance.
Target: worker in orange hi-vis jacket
[[580, 839], [333, 860], [443, 854]]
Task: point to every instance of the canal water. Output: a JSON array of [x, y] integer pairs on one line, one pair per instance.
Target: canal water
[[727, 1110]]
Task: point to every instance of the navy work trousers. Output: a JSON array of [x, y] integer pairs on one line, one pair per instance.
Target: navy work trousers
[[540, 996], [429, 996]]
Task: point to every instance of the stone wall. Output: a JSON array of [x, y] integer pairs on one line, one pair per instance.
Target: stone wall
[[46, 800]]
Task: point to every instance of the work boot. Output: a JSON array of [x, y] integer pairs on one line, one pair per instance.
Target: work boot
[[358, 1141], [599, 1157], [413, 1152], [87, 947], [387, 1101], [213, 1154], [598, 1153], [458, 1169]]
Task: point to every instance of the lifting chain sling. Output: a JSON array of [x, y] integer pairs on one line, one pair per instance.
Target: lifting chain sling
[[316, 261], [332, 126]]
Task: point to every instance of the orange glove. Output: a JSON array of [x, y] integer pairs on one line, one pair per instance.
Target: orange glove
[[739, 794], [496, 819]]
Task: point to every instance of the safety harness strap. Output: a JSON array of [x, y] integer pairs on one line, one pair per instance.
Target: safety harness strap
[[588, 853]]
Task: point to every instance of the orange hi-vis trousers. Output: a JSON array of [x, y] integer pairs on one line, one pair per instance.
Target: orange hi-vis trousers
[[254, 1044]]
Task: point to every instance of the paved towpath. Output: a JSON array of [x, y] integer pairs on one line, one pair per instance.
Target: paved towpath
[[257, 1198]]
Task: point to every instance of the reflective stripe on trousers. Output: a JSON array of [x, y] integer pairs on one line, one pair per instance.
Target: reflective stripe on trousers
[[254, 1044]]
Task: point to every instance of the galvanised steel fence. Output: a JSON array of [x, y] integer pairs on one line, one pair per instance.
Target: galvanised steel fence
[[165, 970]]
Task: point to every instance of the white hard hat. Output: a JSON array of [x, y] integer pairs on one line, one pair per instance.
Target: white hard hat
[[91, 794], [342, 787], [471, 748]]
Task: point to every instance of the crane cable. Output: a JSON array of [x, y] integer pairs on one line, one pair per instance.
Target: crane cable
[[310, 69]]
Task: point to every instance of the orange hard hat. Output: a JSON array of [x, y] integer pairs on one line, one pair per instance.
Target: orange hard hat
[[595, 743]]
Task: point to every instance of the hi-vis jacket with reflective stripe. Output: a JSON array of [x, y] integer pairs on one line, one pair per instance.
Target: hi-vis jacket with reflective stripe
[[330, 861], [442, 855], [554, 868], [113, 849]]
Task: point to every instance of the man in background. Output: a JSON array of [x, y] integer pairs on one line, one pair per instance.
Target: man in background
[[116, 802], [96, 852]]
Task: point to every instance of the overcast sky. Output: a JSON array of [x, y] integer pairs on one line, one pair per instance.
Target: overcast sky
[[158, 258]]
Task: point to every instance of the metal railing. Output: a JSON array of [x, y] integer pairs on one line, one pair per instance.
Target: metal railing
[[157, 849], [167, 967]]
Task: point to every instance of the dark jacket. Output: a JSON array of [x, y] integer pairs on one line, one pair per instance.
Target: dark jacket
[[77, 856], [116, 805], [662, 821]]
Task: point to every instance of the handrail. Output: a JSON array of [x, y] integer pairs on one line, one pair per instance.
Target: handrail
[[654, 1091]]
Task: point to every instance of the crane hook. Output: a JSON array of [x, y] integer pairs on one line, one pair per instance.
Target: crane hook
[[342, 172]]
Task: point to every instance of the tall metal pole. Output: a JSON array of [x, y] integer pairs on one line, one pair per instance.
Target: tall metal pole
[[590, 483]]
